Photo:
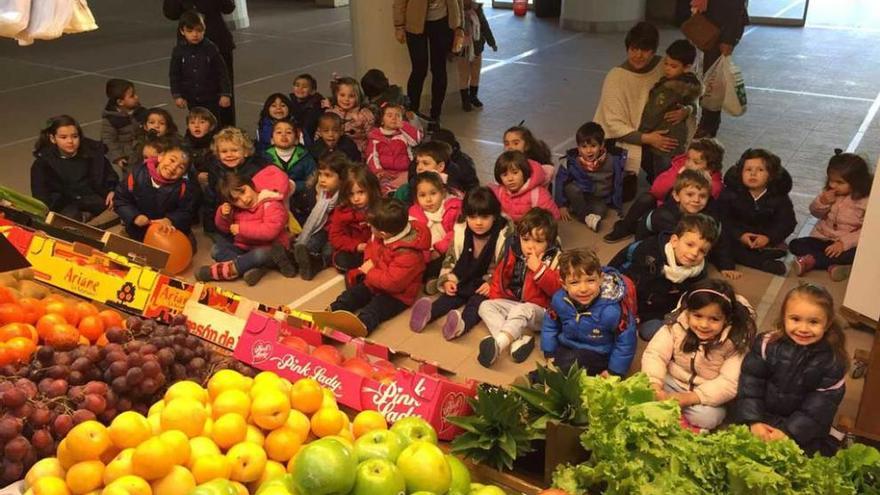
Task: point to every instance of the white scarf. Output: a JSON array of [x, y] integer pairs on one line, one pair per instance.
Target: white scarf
[[435, 224], [678, 274]]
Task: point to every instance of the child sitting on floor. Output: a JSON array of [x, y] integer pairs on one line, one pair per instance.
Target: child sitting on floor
[[275, 109], [478, 242], [390, 147], [295, 160], [695, 358], [348, 230], [349, 103], [256, 219], [520, 186], [391, 276], [200, 128], [794, 378], [331, 137], [379, 91], [437, 210], [462, 163], [523, 282], [756, 213], [122, 116], [663, 268], [590, 179], [430, 156], [158, 124], [583, 323], [840, 208], [305, 104]]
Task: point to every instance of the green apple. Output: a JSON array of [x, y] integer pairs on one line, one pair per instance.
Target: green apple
[[414, 428], [378, 444], [378, 477], [424, 467], [461, 477], [277, 486], [215, 487], [324, 467], [475, 487], [489, 490]]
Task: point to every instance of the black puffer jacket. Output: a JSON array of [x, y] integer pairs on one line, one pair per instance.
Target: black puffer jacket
[[59, 181], [197, 73], [791, 387], [772, 214], [643, 262]]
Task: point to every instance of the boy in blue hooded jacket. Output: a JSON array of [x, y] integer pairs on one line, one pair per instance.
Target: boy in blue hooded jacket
[[583, 324]]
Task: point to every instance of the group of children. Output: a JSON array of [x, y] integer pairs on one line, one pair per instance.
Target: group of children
[[351, 183]]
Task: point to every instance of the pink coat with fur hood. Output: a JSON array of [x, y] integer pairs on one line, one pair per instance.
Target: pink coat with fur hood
[[266, 222], [451, 212], [839, 221], [533, 193]]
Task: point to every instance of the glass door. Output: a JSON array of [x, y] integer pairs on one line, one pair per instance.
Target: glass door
[[778, 12]]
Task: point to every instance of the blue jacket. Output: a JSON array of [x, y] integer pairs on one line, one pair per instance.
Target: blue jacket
[[596, 327], [571, 171], [136, 195], [300, 167]]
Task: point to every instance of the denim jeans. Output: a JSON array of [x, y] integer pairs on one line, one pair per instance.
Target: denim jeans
[[225, 250]]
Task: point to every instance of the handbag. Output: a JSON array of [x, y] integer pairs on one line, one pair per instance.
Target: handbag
[[735, 101], [702, 32]]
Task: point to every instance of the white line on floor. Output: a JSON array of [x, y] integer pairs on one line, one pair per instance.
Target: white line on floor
[[295, 69], [866, 122], [482, 141], [808, 93], [316, 291], [527, 53]]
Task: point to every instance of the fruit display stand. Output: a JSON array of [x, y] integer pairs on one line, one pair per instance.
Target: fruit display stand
[[360, 374]]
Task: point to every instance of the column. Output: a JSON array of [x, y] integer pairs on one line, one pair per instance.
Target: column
[[601, 16]]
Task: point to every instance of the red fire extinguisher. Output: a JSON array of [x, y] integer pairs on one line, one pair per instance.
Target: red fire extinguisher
[[520, 7]]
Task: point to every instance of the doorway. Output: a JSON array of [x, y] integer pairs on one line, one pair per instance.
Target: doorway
[[779, 12]]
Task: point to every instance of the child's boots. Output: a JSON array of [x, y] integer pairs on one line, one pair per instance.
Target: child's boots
[[217, 272], [282, 260], [309, 264], [803, 264]]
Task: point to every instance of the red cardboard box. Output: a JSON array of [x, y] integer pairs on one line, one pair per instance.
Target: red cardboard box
[[168, 299], [423, 392]]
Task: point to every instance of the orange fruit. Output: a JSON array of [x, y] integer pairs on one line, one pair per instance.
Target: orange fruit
[[87, 441], [367, 421], [85, 476], [13, 330], [65, 309], [84, 309], [327, 421], [306, 395], [152, 459], [6, 296], [112, 319], [47, 322], [21, 348], [10, 312], [91, 327], [282, 444], [102, 340], [6, 355], [32, 309], [63, 336]]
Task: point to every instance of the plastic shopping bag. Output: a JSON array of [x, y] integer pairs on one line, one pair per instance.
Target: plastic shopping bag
[[14, 15], [47, 22], [82, 19], [734, 88], [713, 87]]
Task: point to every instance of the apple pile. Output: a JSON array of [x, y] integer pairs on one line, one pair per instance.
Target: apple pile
[[377, 369]]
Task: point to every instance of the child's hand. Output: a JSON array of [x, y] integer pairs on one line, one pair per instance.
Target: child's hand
[[234, 229], [747, 239], [367, 266], [180, 102], [675, 116], [834, 250], [362, 247], [141, 221], [731, 274], [659, 393], [776, 434], [762, 431], [325, 104], [660, 141], [225, 209], [225, 102], [564, 215], [760, 241], [450, 287], [827, 197], [483, 290], [121, 162], [533, 262], [202, 177], [165, 225], [400, 35], [604, 374], [108, 201]]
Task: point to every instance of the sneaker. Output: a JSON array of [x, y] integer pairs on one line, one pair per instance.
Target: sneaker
[[803, 264], [281, 258], [254, 275], [203, 274], [521, 348], [432, 287], [488, 352], [592, 220], [454, 326], [219, 271], [421, 313], [775, 252], [618, 233], [839, 273], [304, 261], [775, 267]]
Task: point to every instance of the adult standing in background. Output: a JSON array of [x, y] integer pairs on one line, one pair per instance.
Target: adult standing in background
[[216, 31], [731, 17], [428, 28]]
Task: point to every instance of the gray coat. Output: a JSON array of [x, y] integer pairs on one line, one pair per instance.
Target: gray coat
[[118, 132]]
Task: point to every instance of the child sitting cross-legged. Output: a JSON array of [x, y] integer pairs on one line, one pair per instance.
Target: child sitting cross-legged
[[478, 241], [295, 160], [275, 109], [520, 186], [689, 196], [349, 231], [256, 219], [430, 156], [582, 324], [305, 104], [391, 276], [523, 282], [695, 357], [438, 210], [331, 137], [390, 147]]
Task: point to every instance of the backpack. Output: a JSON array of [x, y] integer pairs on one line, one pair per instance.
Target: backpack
[[628, 306]]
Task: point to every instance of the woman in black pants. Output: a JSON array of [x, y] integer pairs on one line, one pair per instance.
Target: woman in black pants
[[428, 28]]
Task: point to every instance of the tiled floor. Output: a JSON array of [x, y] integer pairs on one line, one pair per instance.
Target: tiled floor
[[810, 90]]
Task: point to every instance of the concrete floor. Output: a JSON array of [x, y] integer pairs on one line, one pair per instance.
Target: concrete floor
[[810, 90]]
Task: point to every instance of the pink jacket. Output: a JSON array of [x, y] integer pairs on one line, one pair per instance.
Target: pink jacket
[[261, 226], [451, 212], [357, 123], [664, 182], [391, 152], [713, 377], [533, 193], [840, 221]]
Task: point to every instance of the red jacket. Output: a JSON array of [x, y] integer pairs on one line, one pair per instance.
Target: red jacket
[[538, 288], [533, 193], [398, 266], [451, 211], [347, 228], [391, 153], [664, 182]]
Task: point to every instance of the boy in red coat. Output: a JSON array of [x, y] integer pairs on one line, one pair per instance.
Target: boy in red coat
[[523, 283], [391, 276]]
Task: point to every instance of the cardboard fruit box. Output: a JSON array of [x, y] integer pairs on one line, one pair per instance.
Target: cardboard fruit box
[[370, 377], [217, 315], [102, 277]]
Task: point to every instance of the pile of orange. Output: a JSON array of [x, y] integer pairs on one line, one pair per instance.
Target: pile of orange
[[55, 320]]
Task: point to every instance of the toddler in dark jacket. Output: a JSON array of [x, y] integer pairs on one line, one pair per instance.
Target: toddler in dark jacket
[[583, 322], [305, 104], [794, 378]]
